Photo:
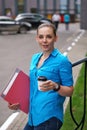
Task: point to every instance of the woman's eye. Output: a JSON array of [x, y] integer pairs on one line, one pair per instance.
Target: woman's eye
[[49, 36], [40, 36]]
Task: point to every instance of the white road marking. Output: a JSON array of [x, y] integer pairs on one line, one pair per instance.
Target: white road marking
[[73, 43], [9, 121], [69, 48], [65, 53], [76, 40]]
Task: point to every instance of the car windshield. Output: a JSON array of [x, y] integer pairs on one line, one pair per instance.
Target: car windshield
[[28, 18], [30, 14]]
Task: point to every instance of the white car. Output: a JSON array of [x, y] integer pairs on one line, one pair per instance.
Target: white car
[[9, 24]]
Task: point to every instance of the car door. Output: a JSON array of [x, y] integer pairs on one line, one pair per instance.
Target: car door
[[3, 26], [32, 20], [8, 25], [12, 25]]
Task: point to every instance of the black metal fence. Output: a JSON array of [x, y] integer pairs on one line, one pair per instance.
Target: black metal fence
[[82, 121]]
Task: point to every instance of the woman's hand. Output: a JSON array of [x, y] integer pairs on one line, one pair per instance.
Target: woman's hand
[[63, 91], [48, 85], [15, 106]]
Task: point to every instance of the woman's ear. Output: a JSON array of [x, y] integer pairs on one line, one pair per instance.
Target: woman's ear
[[56, 38]]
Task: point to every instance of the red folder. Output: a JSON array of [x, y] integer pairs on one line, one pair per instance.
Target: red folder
[[17, 90]]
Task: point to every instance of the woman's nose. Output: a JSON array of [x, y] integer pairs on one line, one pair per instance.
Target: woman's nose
[[44, 39]]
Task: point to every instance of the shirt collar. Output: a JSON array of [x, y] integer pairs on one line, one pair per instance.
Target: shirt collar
[[54, 52]]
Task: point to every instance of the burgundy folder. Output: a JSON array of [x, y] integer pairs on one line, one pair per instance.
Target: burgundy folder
[[17, 90]]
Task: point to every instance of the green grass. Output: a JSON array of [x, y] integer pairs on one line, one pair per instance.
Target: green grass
[[77, 105]]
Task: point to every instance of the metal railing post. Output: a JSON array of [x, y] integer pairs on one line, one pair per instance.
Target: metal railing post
[[81, 124]]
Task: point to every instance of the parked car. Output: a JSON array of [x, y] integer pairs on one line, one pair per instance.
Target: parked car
[[9, 24], [30, 14], [33, 18]]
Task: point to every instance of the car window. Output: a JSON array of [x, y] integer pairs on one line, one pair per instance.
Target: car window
[[3, 19], [38, 16], [7, 20], [29, 19]]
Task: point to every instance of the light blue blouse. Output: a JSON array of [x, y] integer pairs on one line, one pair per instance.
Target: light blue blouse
[[44, 105]]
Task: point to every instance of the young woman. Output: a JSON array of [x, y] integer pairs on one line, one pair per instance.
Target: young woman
[[46, 104]]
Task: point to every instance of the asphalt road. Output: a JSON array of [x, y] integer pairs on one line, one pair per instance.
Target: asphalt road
[[16, 51]]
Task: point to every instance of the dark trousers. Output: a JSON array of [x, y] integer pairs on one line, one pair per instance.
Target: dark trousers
[[51, 124], [67, 25], [56, 24]]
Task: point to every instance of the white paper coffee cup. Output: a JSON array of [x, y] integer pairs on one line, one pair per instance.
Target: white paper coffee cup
[[41, 80]]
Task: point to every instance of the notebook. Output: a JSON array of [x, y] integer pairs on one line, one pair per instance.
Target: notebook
[[17, 90]]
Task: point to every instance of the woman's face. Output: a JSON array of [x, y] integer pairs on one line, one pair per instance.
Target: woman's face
[[46, 38]]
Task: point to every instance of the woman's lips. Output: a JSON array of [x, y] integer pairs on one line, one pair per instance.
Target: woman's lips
[[45, 46]]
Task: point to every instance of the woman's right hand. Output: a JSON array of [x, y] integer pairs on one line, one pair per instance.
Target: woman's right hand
[[15, 106]]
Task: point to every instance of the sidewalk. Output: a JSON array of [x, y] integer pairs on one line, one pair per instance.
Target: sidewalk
[[78, 52]]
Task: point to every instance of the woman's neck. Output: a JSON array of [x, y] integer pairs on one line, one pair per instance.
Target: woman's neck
[[46, 54]]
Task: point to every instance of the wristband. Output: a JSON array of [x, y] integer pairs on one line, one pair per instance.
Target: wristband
[[57, 87]]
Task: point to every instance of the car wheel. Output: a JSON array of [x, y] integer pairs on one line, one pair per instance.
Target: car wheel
[[23, 30]]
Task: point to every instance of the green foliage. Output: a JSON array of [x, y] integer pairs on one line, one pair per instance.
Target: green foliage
[[77, 105]]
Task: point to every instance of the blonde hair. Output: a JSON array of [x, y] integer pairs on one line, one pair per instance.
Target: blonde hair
[[47, 25]]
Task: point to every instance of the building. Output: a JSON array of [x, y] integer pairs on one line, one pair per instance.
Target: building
[[83, 20], [14, 7], [45, 7]]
